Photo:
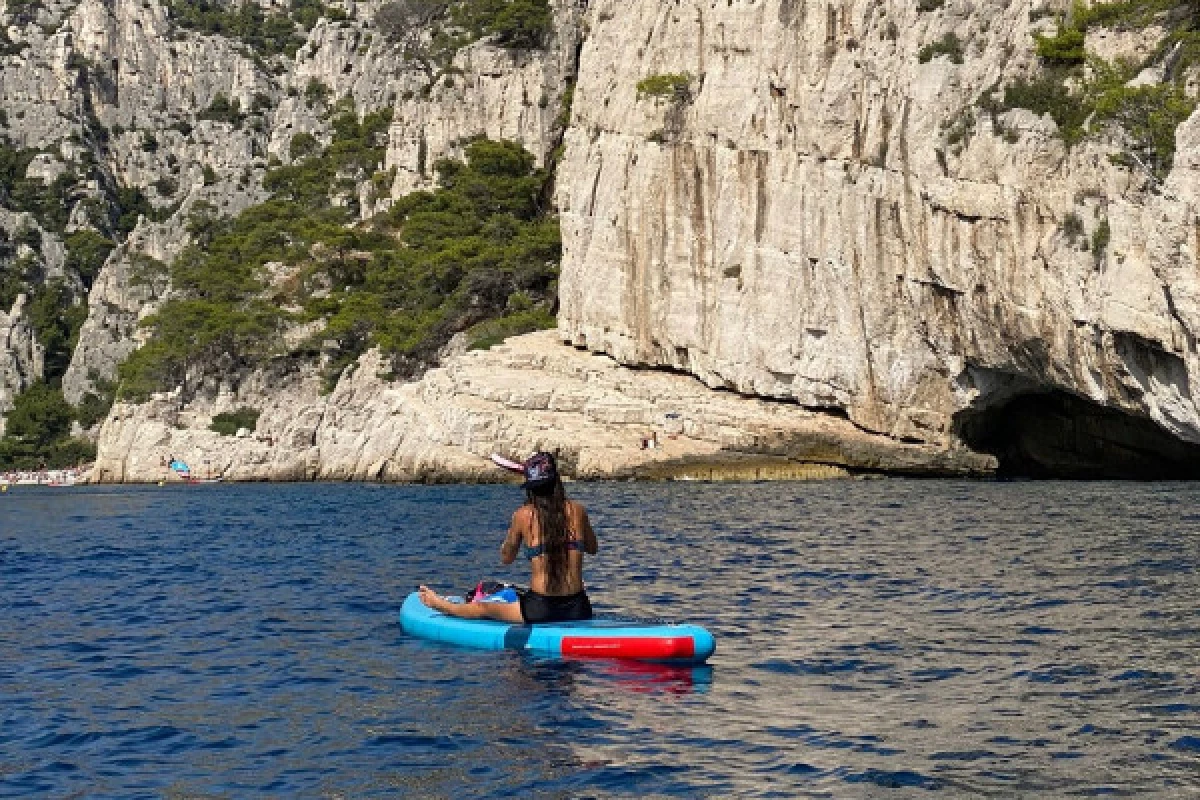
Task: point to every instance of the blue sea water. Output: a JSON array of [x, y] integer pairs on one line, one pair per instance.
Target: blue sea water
[[885, 638]]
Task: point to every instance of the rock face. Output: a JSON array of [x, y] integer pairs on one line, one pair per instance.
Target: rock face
[[503, 95], [21, 360], [129, 288], [796, 205], [530, 393], [797, 225], [148, 77]]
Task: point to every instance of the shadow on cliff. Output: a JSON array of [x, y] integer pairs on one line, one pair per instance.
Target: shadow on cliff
[[1058, 435]]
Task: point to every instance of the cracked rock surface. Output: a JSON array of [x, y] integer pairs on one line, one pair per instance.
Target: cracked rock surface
[[533, 392], [799, 224], [839, 259]]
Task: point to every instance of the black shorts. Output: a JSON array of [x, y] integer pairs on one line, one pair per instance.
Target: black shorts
[[537, 608]]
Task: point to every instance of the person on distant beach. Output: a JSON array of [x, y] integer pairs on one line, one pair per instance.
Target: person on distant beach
[[555, 533]]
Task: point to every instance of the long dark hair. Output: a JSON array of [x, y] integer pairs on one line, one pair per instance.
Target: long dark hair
[[550, 506]]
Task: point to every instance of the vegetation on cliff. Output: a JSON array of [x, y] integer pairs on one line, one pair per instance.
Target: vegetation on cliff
[[230, 422], [949, 46], [265, 33], [47, 203], [38, 433], [39, 426], [674, 86], [480, 247], [303, 258], [430, 33], [1085, 94]]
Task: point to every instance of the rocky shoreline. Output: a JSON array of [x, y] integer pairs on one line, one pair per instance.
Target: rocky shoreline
[[533, 392]]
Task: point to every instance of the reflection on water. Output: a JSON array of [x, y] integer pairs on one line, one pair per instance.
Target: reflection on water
[[958, 638]]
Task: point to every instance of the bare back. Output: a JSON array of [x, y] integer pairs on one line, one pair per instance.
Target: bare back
[[523, 532]]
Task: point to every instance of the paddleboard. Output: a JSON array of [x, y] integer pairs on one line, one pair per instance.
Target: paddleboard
[[595, 638]]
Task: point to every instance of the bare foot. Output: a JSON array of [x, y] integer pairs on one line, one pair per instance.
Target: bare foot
[[431, 598]]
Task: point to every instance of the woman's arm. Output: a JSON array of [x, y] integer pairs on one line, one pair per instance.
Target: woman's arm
[[512, 542]]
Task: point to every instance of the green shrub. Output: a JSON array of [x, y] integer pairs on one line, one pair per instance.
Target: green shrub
[[1072, 228], [1048, 94], [949, 46], [17, 279], [13, 163], [516, 24], [222, 109], [266, 33], [430, 33], [1149, 116], [49, 203], [400, 18], [1122, 15], [166, 186], [303, 145], [29, 236], [38, 432], [9, 48], [230, 422], [199, 333], [563, 120], [316, 93], [147, 271], [86, 253], [1101, 237], [1064, 48], [94, 406], [130, 202], [521, 24], [40, 416], [490, 333], [56, 316], [669, 85], [24, 12], [470, 245]]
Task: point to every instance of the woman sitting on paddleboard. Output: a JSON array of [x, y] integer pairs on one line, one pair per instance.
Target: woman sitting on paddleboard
[[555, 533]]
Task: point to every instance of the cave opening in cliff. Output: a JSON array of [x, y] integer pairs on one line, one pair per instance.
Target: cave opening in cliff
[[1059, 435]]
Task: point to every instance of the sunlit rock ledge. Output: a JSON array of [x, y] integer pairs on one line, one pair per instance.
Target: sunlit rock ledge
[[533, 392]]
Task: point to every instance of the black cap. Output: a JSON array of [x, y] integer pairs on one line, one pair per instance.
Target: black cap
[[541, 471]]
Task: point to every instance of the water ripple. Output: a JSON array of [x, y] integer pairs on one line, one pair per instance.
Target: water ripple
[[886, 638]]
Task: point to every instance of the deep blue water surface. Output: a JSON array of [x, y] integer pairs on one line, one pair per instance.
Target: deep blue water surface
[[887, 638]]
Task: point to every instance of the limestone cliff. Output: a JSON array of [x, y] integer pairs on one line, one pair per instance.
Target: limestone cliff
[[149, 77], [20, 357], [122, 120], [841, 217], [530, 393], [801, 220]]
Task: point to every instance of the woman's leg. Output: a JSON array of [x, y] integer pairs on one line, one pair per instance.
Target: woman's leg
[[501, 612]]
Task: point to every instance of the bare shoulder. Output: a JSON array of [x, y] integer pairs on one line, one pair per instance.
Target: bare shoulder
[[577, 513], [523, 516]]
